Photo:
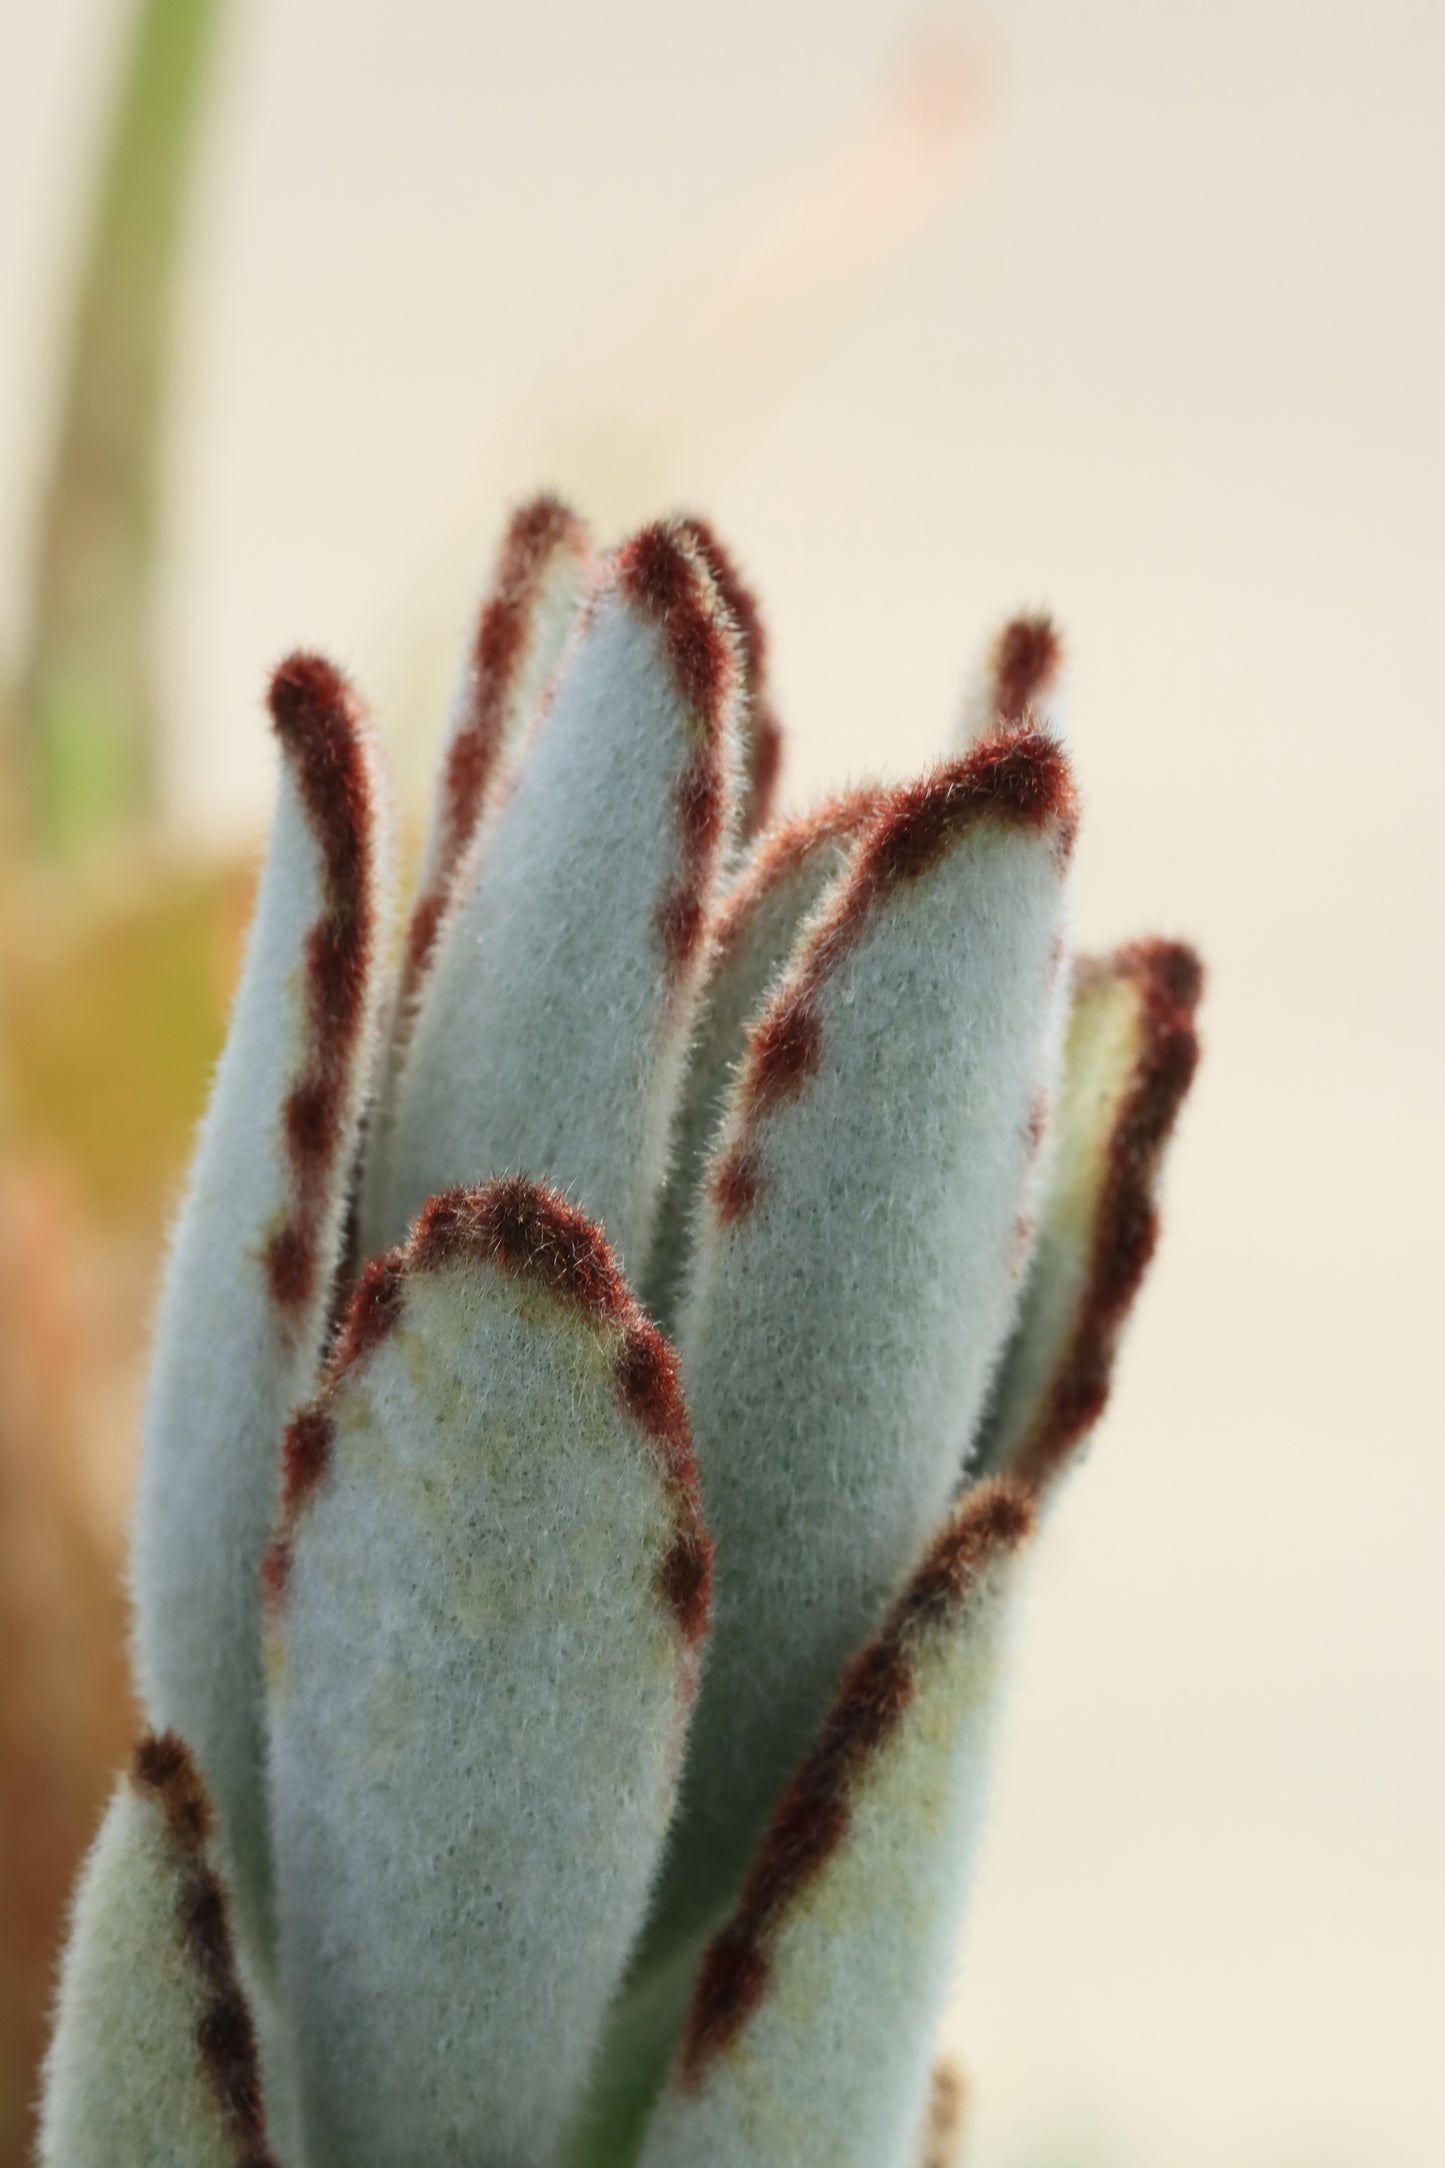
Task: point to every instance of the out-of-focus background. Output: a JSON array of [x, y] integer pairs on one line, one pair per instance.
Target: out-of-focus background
[[1135, 310]]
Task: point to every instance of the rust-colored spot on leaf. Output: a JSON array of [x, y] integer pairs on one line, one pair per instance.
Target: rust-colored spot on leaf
[[786, 1049], [338, 958], [290, 1263], [735, 1184], [687, 1578], [305, 1455], [276, 1571], [310, 1119]]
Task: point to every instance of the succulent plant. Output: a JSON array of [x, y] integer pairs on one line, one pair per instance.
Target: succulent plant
[[571, 1705]]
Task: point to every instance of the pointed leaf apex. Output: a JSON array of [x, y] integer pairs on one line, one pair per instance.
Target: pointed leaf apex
[[320, 722], [307, 694], [1173, 967], [1025, 666], [1021, 778], [664, 575], [1169, 979], [663, 572], [323, 734], [1019, 682], [546, 548], [539, 533], [762, 765], [737, 596]]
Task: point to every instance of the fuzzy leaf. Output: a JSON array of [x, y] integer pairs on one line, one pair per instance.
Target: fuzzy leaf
[[750, 942], [762, 733], [1019, 679], [1129, 1058], [866, 1215], [814, 2014], [153, 2062], [248, 1282], [530, 612], [487, 1602], [557, 1010]]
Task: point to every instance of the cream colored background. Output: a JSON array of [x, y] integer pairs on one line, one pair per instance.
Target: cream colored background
[[1164, 348]]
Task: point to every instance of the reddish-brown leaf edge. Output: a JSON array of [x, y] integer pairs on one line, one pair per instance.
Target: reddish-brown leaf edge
[[164, 1770], [519, 1228], [813, 1816]]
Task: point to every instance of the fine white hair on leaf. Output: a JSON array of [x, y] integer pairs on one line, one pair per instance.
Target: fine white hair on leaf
[[865, 1221], [539, 585], [529, 612], [250, 1274], [814, 2013], [761, 732], [153, 2063], [1020, 678], [1129, 1057], [749, 943], [555, 1018], [487, 1600]]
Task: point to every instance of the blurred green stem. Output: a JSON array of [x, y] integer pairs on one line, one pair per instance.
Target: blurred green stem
[[87, 705]]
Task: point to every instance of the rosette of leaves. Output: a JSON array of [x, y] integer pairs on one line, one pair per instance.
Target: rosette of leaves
[[610, 1368]]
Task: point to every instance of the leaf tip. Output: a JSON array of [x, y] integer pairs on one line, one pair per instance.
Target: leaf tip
[[164, 1769], [1025, 666], [663, 573], [1168, 978]]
